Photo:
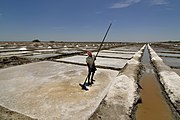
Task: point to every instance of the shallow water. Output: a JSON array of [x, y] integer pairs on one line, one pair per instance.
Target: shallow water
[[153, 106], [174, 62], [168, 54]]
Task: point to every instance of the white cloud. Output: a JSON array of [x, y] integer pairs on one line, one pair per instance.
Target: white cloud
[[124, 4], [159, 2]]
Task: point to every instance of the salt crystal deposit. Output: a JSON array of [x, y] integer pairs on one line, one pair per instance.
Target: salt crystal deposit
[[105, 62], [50, 90], [23, 48]]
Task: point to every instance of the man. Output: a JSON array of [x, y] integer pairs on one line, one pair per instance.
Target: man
[[91, 67]]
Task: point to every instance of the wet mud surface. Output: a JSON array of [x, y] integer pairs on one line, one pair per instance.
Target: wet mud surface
[[13, 61]]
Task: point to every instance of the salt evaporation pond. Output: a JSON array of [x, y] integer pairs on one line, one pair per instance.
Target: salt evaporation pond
[[120, 52], [7, 54], [129, 48], [50, 90], [167, 51], [118, 55], [169, 55], [69, 52], [105, 62], [42, 56], [8, 50], [46, 50], [174, 62]]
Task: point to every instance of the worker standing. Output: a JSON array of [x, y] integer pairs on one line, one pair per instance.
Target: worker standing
[[91, 67]]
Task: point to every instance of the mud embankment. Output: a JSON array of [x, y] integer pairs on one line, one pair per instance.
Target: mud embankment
[[169, 80], [12, 61], [123, 94], [6, 114]]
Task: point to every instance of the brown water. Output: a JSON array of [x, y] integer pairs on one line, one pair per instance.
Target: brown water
[[153, 106]]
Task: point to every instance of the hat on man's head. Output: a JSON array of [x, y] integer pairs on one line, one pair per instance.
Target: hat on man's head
[[89, 53]]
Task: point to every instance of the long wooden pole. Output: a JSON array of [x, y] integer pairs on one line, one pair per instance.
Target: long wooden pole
[[103, 39], [84, 87]]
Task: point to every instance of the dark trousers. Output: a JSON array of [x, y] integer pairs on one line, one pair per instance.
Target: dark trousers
[[91, 72]]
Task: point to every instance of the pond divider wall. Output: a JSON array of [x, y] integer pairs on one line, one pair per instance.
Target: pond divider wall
[[169, 80], [123, 95]]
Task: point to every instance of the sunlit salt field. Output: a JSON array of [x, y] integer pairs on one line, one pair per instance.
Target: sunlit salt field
[[170, 51], [103, 62], [126, 48], [169, 55], [51, 89], [42, 56], [115, 55], [40, 80], [89, 60], [15, 53], [120, 52], [174, 62]]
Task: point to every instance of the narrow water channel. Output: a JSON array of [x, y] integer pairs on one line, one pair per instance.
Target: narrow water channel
[[153, 106]]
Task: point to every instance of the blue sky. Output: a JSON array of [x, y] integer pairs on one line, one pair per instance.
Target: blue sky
[[87, 20]]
